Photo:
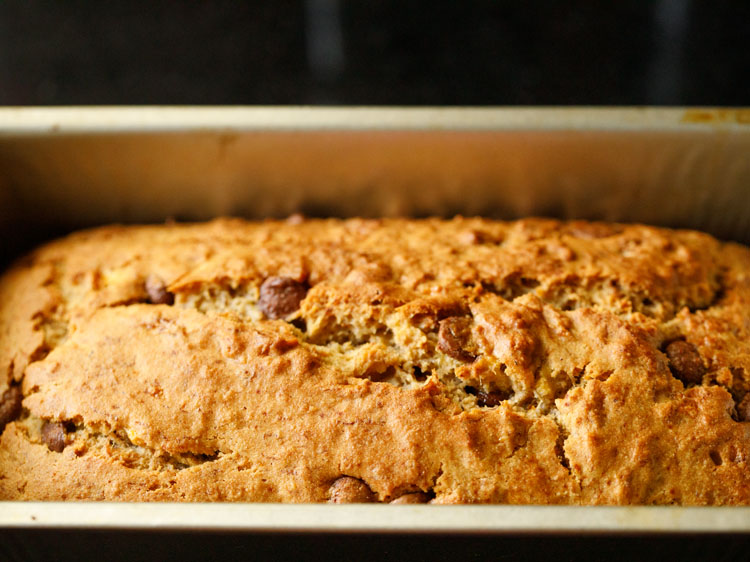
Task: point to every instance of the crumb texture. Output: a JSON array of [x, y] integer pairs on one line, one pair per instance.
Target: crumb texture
[[402, 361]]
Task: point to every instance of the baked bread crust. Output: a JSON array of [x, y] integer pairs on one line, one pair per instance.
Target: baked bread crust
[[377, 360]]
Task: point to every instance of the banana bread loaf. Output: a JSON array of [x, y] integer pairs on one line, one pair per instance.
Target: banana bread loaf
[[401, 361]]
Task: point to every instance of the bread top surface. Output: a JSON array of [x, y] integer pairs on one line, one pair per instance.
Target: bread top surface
[[377, 360]]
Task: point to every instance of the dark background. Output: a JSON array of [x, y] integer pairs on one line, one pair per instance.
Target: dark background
[[667, 52], [81, 545]]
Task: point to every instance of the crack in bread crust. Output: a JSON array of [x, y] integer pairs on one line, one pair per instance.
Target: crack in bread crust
[[472, 360], [114, 445]]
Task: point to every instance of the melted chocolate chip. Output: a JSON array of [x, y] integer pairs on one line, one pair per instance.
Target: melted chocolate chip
[[53, 434], [157, 291], [743, 409], [490, 399], [685, 361], [10, 406], [350, 490], [280, 296], [453, 336], [416, 497], [487, 399]]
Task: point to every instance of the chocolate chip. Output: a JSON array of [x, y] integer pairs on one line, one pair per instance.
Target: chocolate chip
[[416, 497], [10, 406], [685, 361], [53, 434], [743, 409], [490, 399], [487, 399], [157, 291], [453, 336], [280, 296], [350, 490]]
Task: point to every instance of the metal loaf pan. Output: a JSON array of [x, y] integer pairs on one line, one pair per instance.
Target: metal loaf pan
[[66, 168]]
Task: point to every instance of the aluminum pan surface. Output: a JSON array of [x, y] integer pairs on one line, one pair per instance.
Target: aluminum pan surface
[[376, 518], [62, 120], [76, 167]]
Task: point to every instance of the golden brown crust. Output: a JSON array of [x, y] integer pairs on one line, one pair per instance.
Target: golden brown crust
[[392, 360]]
